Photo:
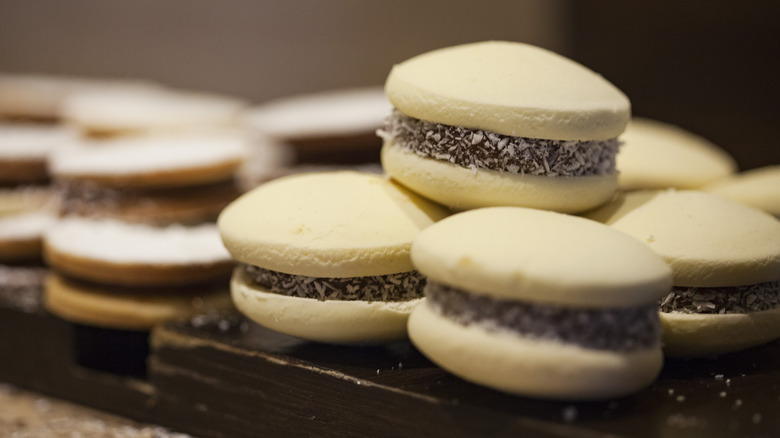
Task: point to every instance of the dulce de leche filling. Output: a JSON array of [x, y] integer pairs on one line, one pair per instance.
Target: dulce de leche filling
[[482, 149], [402, 286], [617, 329], [722, 300]]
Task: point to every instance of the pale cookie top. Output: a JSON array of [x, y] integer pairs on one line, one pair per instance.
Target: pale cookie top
[[25, 226], [758, 188], [534, 255], [707, 240], [337, 112], [656, 155], [40, 96], [118, 242], [510, 88], [330, 224], [148, 154], [26, 141], [153, 109]]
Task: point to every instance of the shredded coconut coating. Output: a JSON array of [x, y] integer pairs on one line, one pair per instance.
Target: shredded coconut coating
[[616, 329], [403, 286], [481, 149], [722, 300]]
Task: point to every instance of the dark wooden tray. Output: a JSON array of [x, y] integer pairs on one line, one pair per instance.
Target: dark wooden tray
[[228, 377]]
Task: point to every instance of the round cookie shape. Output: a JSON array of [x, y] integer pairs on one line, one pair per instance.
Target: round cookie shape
[[113, 252], [327, 113], [161, 160], [108, 111], [758, 188], [329, 224], [539, 256], [657, 155], [509, 88], [706, 240]]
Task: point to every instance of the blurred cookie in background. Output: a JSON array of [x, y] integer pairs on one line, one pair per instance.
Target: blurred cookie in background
[[334, 127], [658, 155], [119, 111], [758, 188], [38, 97], [156, 178]]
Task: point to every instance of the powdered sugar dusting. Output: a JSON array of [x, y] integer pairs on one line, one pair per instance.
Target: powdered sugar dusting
[[142, 154], [120, 242], [27, 141], [25, 225]]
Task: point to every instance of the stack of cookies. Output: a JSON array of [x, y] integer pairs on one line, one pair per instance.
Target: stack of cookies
[[140, 189], [520, 294]]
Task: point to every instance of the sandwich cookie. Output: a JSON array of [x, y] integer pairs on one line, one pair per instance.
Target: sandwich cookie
[[758, 188], [111, 112], [336, 127], [657, 155], [533, 130], [539, 304], [24, 150], [325, 256], [128, 276], [158, 179], [113, 282], [726, 262]]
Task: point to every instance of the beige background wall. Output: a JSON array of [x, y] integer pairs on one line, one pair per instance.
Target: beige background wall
[[257, 49]]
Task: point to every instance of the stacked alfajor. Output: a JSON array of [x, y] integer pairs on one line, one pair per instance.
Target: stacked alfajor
[[725, 257], [540, 304], [140, 190], [503, 123], [325, 256]]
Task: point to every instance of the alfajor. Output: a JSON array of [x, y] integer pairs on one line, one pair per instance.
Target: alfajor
[[539, 303], [325, 256], [112, 274], [726, 262], [503, 123], [154, 178], [658, 155], [758, 188]]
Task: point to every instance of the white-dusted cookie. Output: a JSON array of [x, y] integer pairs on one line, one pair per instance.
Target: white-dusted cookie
[[120, 111], [114, 252]]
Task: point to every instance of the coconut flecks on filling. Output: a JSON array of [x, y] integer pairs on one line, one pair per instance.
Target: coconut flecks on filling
[[402, 286], [481, 149], [618, 329], [722, 300]]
